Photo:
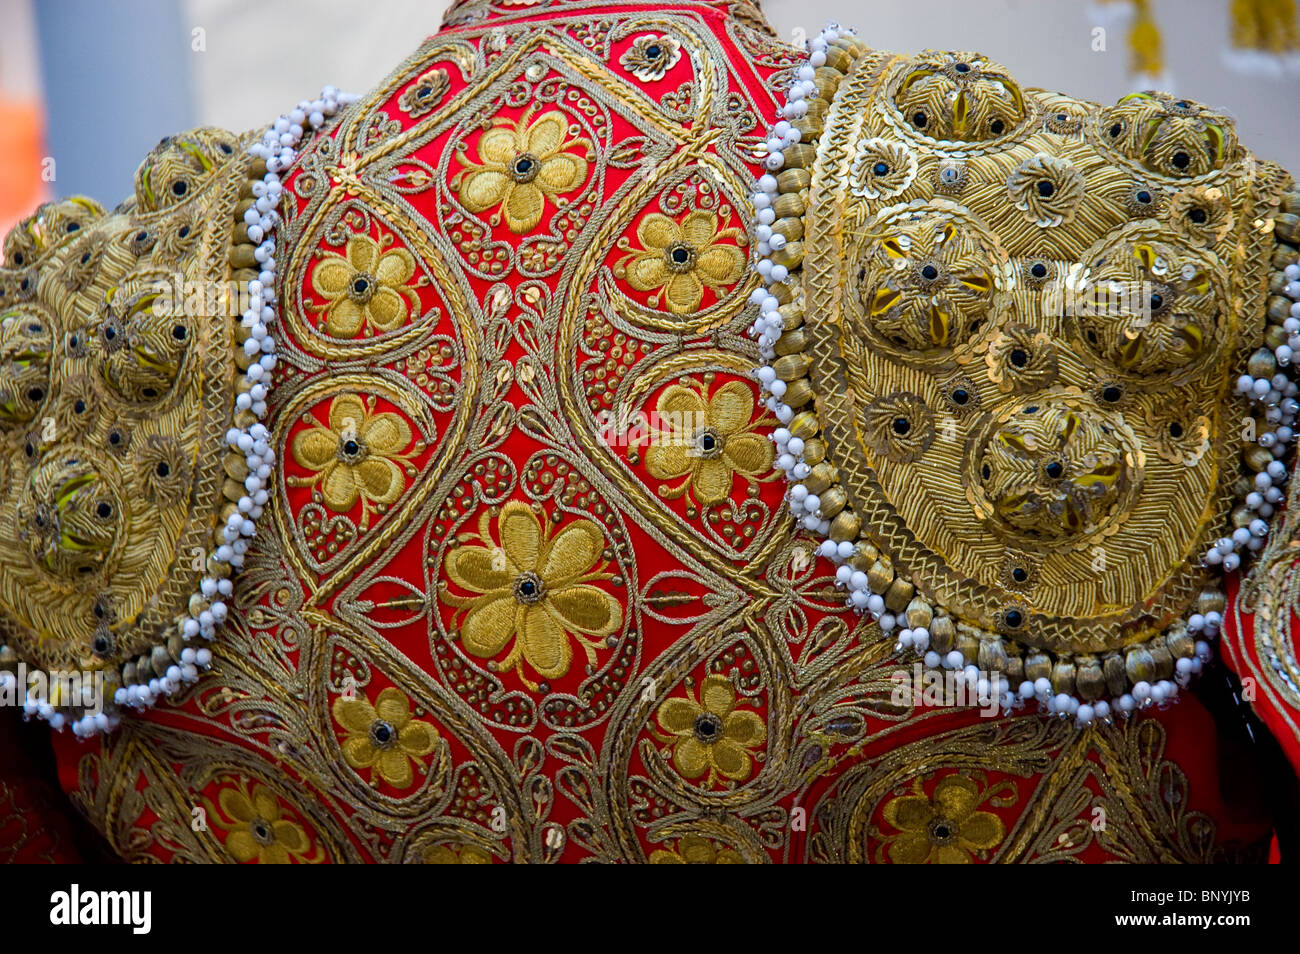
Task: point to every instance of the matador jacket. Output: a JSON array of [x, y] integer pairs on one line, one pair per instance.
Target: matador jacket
[[623, 436]]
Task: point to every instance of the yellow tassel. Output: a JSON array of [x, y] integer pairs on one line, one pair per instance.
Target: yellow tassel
[[1144, 42], [1266, 26]]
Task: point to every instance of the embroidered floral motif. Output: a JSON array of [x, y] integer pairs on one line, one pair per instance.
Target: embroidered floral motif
[[882, 168], [427, 92], [898, 426], [162, 469], [256, 829], [707, 442], [1020, 358], [383, 736], [1201, 214], [365, 288], [650, 56], [1047, 189], [524, 164], [681, 260], [695, 850], [945, 829], [712, 737], [535, 593], [1181, 429], [355, 456], [457, 855]]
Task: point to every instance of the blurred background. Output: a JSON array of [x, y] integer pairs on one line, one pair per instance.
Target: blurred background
[[88, 87]]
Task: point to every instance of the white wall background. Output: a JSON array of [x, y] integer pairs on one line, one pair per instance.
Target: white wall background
[[119, 75], [1046, 43]]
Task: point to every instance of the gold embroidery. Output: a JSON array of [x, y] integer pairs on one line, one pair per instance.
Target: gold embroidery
[[502, 382], [256, 827], [426, 94], [712, 737], [681, 260], [524, 165], [535, 590], [383, 736], [945, 828], [695, 850], [1064, 323], [457, 855], [365, 288], [115, 349], [708, 442], [355, 456], [650, 56]]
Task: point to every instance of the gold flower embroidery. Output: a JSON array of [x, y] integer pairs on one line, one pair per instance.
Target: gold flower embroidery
[[944, 829], [365, 288], [1180, 428], [707, 443], [524, 164], [457, 855], [355, 456], [681, 260], [1047, 189], [383, 736], [712, 736], [696, 850], [882, 168], [650, 57], [533, 590], [1021, 358], [425, 94], [256, 828], [1202, 215]]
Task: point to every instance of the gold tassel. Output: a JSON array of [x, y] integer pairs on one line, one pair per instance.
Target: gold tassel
[[1144, 42], [1265, 26]]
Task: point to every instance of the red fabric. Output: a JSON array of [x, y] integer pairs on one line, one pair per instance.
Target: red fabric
[[1193, 743], [1241, 652], [34, 825]]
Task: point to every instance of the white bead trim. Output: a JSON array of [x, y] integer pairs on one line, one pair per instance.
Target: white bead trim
[[1278, 394], [278, 147]]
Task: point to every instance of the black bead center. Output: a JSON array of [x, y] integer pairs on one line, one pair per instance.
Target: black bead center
[[707, 727], [525, 168], [680, 256], [529, 588]]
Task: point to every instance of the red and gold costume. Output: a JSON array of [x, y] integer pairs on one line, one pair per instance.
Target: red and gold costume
[[525, 584]]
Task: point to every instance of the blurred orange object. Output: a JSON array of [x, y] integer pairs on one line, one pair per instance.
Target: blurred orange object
[[21, 154]]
